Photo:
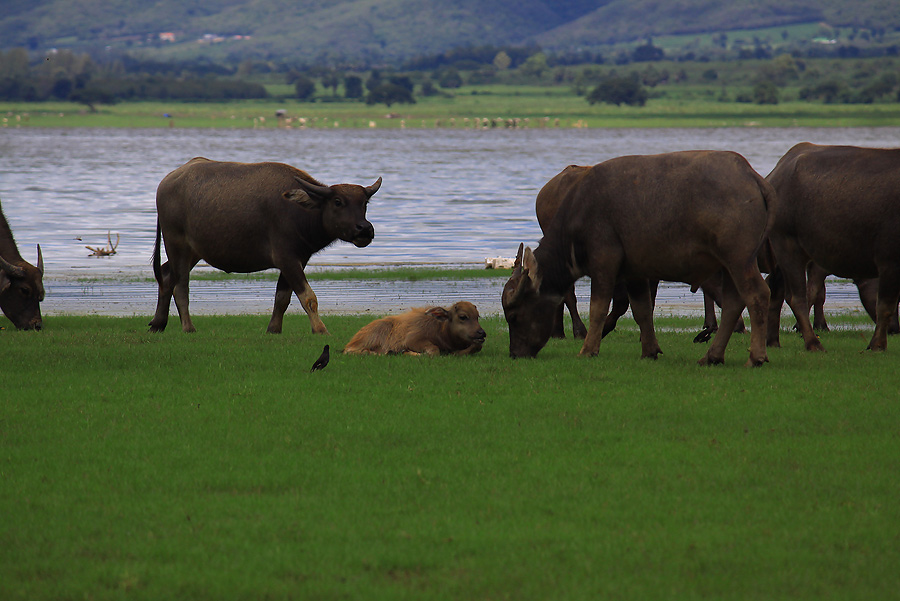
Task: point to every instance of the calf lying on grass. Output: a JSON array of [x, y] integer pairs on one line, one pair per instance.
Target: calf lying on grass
[[431, 331]]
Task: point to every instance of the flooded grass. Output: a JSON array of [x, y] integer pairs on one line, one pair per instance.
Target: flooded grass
[[149, 466]]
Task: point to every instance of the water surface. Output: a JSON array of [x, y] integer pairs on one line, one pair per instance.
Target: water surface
[[449, 196]]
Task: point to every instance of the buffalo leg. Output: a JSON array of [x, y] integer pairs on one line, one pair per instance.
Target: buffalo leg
[[642, 309], [601, 293], [710, 326], [885, 307], [570, 302], [868, 295], [815, 291], [732, 306], [283, 295], [619, 307], [793, 262], [181, 291], [739, 289], [164, 301], [775, 281], [579, 330], [298, 283]]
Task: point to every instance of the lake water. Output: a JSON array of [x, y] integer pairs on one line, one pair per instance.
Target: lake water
[[450, 196]]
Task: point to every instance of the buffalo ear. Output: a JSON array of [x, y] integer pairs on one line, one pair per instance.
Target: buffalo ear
[[309, 195], [439, 313], [301, 198], [532, 270]]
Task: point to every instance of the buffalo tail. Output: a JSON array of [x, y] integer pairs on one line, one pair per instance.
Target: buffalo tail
[[157, 269]]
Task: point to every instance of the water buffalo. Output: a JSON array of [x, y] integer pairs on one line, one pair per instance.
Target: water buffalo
[[547, 203], [839, 207], [246, 217], [21, 283], [679, 216], [431, 331]]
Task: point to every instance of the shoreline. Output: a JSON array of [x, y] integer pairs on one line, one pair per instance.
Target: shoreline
[[116, 298]]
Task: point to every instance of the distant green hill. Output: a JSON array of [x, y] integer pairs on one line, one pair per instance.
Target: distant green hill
[[629, 20], [395, 30]]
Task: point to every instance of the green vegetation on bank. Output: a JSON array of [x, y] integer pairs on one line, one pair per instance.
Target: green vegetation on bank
[[214, 465], [493, 109]]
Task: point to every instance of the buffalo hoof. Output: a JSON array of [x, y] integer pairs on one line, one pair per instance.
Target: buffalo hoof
[[579, 333], [708, 360], [756, 361], [705, 334], [155, 328], [273, 330], [876, 348], [815, 346]]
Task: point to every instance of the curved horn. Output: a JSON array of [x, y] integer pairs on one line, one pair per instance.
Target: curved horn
[[315, 189], [40, 264], [370, 190], [13, 270]]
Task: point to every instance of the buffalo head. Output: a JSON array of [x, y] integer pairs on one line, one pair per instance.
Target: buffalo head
[[529, 313], [462, 324], [21, 292], [343, 208]]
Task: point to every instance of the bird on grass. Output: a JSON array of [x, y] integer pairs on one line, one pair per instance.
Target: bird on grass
[[322, 361]]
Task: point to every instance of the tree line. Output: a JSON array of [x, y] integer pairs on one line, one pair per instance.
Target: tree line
[[625, 77]]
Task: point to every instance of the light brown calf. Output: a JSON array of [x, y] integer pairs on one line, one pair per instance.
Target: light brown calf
[[431, 331]]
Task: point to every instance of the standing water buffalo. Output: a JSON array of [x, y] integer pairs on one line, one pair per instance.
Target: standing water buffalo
[[839, 207], [245, 217], [547, 203], [21, 283], [679, 216]]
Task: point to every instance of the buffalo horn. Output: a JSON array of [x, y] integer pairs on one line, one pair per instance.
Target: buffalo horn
[[315, 189], [12, 270], [517, 266], [370, 190], [40, 264]]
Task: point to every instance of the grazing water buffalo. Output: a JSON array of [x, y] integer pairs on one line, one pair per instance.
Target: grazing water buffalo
[[245, 217], [431, 331], [680, 216], [839, 207], [21, 283], [546, 205]]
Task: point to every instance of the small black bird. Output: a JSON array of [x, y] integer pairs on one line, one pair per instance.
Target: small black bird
[[322, 361]]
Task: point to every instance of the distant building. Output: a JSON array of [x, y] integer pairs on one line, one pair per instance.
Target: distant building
[[167, 37]]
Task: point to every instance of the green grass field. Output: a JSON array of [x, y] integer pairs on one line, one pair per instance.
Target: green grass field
[[215, 466], [534, 107]]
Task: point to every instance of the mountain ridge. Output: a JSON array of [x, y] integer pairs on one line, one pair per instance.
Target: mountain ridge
[[396, 30]]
